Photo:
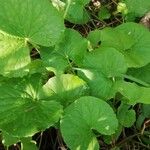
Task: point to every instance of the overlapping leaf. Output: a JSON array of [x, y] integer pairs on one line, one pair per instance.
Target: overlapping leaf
[[102, 68], [67, 88], [68, 52], [82, 117], [131, 39], [25, 109], [23, 22]]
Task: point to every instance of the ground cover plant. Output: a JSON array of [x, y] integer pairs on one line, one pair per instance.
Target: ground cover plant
[[74, 74]]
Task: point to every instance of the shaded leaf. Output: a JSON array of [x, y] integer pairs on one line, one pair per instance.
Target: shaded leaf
[[67, 88], [69, 51], [125, 115], [75, 11]]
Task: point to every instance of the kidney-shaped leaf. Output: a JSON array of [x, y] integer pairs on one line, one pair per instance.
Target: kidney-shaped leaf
[[84, 116], [36, 20], [23, 112]]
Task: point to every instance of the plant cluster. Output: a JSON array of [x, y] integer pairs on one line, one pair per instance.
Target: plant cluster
[[87, 87]]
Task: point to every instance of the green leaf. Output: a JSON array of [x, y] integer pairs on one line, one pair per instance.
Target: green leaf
[[73, 46], [141, 73], [94, 38], [137, 8], [131, 39], [28, 143], [37, 21], [84, 116], [21, 23], [75, 11], [23, 109], [104, 13], [107, 60], [146, 110], [102, 68], [14, 55], [109, 139], [125, 115], [50, 57], [68, 52], [67, 88], [8, 140], [100, 85], [134, 93], [36, 66], [138, 54]]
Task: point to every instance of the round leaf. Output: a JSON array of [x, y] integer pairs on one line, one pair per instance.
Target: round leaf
[[37, 21], [82, 117], [131, 39]]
